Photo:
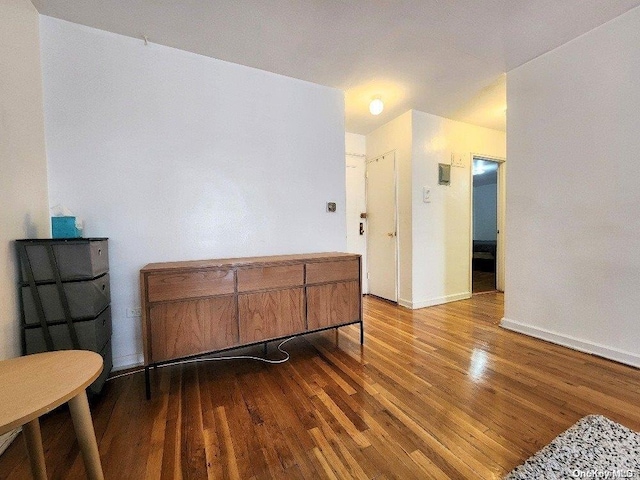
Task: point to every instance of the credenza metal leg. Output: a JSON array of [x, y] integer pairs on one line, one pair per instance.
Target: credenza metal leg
[[147, 382]]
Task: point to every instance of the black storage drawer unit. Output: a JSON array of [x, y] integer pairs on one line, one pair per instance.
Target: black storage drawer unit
[[65, 297]]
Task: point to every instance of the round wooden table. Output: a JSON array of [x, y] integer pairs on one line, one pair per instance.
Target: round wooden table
[[33, 385]]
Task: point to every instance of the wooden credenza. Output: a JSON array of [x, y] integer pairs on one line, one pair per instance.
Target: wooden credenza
[[197, 307]]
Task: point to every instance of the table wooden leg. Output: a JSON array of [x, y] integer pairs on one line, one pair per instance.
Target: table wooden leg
[[81, 416], [33, 440]]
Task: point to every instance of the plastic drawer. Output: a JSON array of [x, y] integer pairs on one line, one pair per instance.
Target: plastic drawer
[[92, 335], [80, 259], [86, 300]]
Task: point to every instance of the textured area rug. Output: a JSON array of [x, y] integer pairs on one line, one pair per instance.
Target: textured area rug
[[595, 447]]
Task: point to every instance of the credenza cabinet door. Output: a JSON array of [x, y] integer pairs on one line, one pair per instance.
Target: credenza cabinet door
[[271, 314], [333, 304], [191, 327]]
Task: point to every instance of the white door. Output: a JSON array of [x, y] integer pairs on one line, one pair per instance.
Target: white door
[[382, 232], [356, 204]]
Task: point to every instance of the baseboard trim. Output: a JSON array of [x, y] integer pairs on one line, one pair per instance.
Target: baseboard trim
[[7, 438], [404, 303], [127, 361], [574, 343], [434, 301]]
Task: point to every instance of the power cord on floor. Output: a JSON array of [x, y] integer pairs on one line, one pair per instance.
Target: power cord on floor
[[211, 359], [238, 357]]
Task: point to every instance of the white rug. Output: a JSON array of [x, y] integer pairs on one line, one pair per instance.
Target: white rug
[[595, 447]]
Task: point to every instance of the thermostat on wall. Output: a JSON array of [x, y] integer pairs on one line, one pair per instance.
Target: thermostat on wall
[[457, 160]]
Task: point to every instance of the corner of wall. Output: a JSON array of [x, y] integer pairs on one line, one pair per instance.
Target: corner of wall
[[23, 183], [25, 209]]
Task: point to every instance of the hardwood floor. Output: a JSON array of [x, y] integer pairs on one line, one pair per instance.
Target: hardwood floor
[[483, 281], [439, 393]]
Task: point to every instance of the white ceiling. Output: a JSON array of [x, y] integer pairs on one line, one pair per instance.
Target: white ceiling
[[445, 57]]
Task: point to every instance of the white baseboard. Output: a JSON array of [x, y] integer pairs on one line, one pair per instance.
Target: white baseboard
[[574, 343], [7, 438], [127, 361], [404, 303], [434, 301]]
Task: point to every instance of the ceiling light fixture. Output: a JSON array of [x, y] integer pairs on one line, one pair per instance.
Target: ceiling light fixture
[[376, 106]]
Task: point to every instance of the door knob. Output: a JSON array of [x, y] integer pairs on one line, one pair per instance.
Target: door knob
[[391, 234]]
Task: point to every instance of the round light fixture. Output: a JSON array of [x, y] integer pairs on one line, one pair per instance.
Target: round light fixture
[[376, 106]]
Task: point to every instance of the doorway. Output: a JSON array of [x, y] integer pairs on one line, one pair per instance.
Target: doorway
[[382, 238], [487, 270]]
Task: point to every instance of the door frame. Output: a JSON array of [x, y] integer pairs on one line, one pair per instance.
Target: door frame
[[501, 201], [363, 197], [395, 213]]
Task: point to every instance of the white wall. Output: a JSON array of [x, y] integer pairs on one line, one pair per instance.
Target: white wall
[[442, 228], [355, 143], [24, 212], [396, 136], [177, 156], [574, 199], [24, 209], [485, 212], [355, 161]]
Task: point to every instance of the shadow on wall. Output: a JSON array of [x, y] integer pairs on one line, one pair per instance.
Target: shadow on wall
[[29, 228]]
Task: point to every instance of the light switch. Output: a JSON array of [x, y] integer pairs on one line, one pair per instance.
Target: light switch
[[426, 194]]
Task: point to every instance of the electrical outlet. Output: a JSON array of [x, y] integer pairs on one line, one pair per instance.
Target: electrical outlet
[[134, 312]]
